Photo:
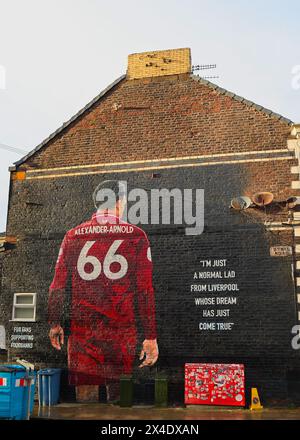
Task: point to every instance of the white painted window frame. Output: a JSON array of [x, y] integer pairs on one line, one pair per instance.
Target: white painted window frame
[[24, 306]]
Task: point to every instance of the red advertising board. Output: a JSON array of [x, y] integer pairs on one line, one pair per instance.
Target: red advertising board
[[215, 384]]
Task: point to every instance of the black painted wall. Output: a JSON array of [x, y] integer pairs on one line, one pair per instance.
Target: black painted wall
[[41, 211]]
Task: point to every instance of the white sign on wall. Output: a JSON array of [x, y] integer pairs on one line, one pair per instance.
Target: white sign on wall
[[281, 251]]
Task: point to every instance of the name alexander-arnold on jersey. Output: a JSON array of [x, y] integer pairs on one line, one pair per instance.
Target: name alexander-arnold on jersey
[[104, 229]]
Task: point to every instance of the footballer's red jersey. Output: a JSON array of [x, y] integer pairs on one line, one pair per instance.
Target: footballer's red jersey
[[108, 263]]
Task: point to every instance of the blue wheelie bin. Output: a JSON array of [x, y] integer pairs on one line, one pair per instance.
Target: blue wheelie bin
[[17, 386], [49, 386]]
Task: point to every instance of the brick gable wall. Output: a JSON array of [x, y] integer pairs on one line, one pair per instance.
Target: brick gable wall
[[165, 117]]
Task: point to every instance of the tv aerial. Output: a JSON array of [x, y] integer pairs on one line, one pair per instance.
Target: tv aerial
[[12, 149], [201, 67]]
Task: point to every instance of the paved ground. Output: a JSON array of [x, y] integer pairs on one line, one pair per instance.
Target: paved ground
[[99, 411]]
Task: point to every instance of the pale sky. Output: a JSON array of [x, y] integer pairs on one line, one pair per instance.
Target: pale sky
[[57, 55]]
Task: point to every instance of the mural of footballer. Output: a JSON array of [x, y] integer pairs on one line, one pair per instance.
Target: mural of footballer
[[108, 263]]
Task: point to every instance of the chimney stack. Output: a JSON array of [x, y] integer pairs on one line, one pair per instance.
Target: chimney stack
[[159, 63]]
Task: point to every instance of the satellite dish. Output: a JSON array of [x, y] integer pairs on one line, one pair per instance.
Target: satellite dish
[[240, 203], [291, 202], [263, 198]]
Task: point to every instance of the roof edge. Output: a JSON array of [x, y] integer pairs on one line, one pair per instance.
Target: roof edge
[[205, 82], [245, 101], [67, 123]]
